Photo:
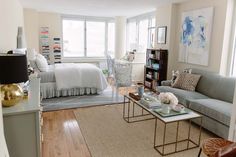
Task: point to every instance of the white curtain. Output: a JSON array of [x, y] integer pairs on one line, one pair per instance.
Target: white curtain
[[3, 146], [231, 10]]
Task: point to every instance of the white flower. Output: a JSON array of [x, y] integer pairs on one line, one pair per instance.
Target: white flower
[[168, 98]]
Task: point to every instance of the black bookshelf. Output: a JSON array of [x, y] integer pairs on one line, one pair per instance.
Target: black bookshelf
[[155, 69]]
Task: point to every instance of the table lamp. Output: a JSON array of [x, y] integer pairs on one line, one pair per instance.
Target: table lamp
[[13, 70]]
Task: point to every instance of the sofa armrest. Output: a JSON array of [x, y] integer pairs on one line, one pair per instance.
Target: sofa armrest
[[166, 83]]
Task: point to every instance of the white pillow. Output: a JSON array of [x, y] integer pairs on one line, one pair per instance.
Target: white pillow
[[31, 54], [42, 63]]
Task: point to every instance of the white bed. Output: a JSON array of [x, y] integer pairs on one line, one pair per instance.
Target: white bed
[[69, 79]]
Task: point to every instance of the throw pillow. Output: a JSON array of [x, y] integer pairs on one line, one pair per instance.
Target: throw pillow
[[190, 81], [33, 64], [175, 74], [179, 80], [42, 63], [186, 81]]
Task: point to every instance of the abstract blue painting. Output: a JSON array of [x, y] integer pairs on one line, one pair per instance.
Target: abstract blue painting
[[195, 36]]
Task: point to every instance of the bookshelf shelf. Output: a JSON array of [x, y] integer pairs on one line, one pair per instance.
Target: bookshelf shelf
[[155, 69]]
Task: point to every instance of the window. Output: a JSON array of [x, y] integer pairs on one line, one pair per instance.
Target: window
[[95, 39], [143, 35], [73, 38], [131, 36], [151, 33], [87, 38], [140, 33]]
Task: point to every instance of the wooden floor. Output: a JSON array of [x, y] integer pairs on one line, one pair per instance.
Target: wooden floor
[[62, 135]]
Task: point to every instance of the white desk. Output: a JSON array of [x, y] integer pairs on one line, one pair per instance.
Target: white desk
[[22, 125]]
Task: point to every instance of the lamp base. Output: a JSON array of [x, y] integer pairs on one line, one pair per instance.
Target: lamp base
[[11, 94]]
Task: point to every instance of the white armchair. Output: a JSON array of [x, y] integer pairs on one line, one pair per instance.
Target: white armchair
[[110, 65], [123, 75]]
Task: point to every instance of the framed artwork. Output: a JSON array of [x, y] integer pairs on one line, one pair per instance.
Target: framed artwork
[[196, 27], [161, 34]]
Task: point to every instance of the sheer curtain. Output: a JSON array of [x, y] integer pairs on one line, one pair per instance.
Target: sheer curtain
[[3, 146], [231, 7]]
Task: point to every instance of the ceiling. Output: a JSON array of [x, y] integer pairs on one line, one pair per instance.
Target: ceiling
[[104, 8]]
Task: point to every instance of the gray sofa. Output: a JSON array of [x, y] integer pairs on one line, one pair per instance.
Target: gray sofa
[[213, 99]]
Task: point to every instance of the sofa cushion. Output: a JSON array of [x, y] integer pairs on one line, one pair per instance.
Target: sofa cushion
[[215, 86], [213, 108], [183, 95]]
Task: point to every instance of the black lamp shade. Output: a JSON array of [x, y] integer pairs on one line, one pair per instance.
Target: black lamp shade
[[13, 68]]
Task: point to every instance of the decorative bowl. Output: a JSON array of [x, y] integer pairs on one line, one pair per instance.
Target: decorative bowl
[[178, 108]]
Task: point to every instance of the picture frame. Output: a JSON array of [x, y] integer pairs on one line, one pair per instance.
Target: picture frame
[[161, 34]]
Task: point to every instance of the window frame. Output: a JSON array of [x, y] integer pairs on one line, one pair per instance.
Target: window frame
[[137, 19], [106, 20]]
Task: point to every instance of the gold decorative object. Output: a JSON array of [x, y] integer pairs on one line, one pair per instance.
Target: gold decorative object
[[11, 94], [13, 68]]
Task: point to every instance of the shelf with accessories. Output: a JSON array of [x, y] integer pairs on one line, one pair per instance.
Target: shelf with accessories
[[155, 69]]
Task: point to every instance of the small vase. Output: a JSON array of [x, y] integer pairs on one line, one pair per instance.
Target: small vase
[[165, 108]]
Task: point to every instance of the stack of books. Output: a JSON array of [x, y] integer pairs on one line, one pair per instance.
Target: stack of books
[[150, 102]]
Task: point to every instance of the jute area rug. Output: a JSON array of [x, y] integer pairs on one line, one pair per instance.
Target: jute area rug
[[108, 135]]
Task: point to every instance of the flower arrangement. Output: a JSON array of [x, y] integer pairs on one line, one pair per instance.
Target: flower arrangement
[[168, 98]]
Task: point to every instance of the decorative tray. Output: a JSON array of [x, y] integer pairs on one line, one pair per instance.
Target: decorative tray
[[172, 112], [135, 96]]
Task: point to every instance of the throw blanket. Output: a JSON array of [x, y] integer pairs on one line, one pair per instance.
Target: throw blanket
[[71, 75]]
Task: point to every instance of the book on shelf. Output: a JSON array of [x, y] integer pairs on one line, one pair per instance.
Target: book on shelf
[[156, 75], [148, 84], [155, 66], [149, 76]]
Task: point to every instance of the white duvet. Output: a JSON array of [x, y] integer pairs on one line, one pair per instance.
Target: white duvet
[[73, 75]]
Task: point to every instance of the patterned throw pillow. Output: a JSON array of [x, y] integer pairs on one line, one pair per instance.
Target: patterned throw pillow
[[176, 73], [179, 80], [190, 82], [187, 81]]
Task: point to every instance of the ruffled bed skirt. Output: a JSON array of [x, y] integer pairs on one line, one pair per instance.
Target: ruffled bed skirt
[[49, 90]]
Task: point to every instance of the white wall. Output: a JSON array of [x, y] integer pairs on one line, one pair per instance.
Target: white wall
[[170, 16], [31, 29], [165, 16], [11, 16], [34, 20]]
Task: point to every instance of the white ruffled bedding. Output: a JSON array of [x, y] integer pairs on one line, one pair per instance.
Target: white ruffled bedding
[[82, 75]]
